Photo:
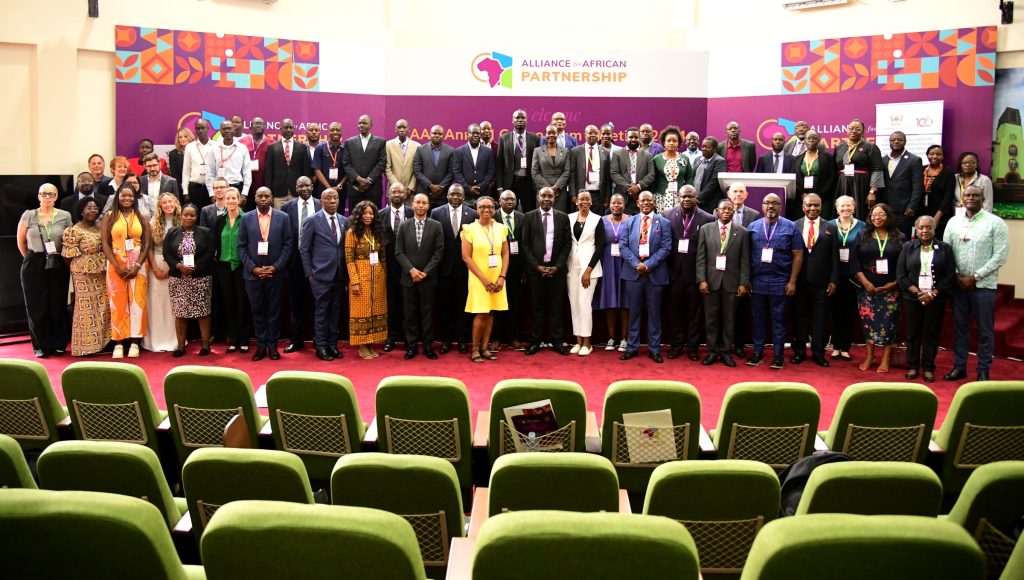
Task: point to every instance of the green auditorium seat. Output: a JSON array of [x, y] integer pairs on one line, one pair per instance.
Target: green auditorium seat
[[774, 423], [29, 410], [872, 488], [547, 481], [990, 507], [14, 470], [567, 401], [883, 422]]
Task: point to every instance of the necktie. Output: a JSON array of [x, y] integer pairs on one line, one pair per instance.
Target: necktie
[[723, 233], [776, 170], [590, 161], [334, 230], [287, 151], [419, 232], [800, 148], [547, 247], [519, 144], [632, 163], [303, 214], [810, 236], [404, 144], [455, 221], [511, 224], [645, 228], [398, 221]]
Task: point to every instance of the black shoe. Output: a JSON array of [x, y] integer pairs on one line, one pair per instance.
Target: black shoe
[[674, 353], [178, 353], [739, 352], [389, 345], [778, 362], [410, 354], [428, 351], [560, 349], [656, 357], [695, 354], [955, 375], [272, 353], [324, 354], [628, 355], [463, 348], [445, 347], [709, 360], [982, 376], [293, 347], [727, 361], [259, 353], [335, 352], [205, 351], [797, 358], [753, 361], [821, 361], [530, 350]]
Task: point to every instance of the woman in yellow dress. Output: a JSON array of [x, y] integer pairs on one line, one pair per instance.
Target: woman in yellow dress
[[126, 244], [485, 252], [367, 288]]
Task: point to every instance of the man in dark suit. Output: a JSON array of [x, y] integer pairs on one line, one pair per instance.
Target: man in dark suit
[[514, 164], [287, 161], [819, 278], [645, 253], [264, 245], [723, 273], [797, 144], [473, 167], [432, 166], [776, 160], [419, 247], [741, 214], [509, 322], [154, 183], [632, 170], [391, 218], [705, 175], [364, 162], [96, 168], [323, 260], [300, 297], [685, 311], [904, 182], [591, 170], [85, 186], [740, 154], [453, 271], [545, 249]]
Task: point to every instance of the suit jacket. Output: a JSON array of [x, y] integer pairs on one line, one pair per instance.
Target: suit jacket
[[683, 266], [278, 250], [167, 184], [427, 173], [468, 174], [569, 142], [505, 164], [426, 256], [766, 163], [737, 257], [824, 182], [208, 216], [533, 242], [369, 164], [578, 175], [748, 153], [548, 171], [70, 203], [709, 192], [398, 167], [291, 209], [908, 268], [790, 146], [905, 187], [322, 255], [387, 223], [660, 240], [821, 265], [279, 176], [452, 240], [621, 177], [203, 256]]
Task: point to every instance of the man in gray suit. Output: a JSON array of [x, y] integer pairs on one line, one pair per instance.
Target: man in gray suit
[[155, 183], [723, 273], [432, 166], [632, 170], [419, 246], [591, 170]]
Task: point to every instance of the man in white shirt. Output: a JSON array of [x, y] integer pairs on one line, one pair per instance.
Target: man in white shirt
[[230, 160], [194, 170], [312, 137]]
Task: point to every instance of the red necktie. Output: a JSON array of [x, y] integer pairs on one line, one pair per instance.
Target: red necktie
[[645, 228], [810, 236], [723, 233], [287, 152]]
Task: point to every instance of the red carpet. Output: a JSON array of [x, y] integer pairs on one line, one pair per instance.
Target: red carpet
[[594, 373]]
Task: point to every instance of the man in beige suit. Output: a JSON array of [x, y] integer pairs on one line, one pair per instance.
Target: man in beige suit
[[400, 152]]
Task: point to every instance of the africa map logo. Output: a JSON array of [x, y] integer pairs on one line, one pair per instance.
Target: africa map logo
[[496, 69]]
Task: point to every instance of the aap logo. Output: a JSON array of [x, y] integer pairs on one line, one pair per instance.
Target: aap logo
[[493, 68], [769, 127]]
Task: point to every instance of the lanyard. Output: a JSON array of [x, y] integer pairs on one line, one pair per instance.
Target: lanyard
[[615, 230], [334, 156], [686, 223], [199, 149], [846, 235], [256, 148], [881, 244], [929, 178], [48, 228], [963, 186], [850, 148], [764, 226], [489, 232], [224, 159], [372, 243], [926, 265]]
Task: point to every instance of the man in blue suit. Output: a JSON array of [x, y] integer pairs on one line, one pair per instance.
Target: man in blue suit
[[322, 249], [473, 167], [648, 246], [264, 245], [299, 295]]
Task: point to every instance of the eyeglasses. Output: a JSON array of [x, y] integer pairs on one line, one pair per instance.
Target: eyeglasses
[[771, 203], [47, 194]]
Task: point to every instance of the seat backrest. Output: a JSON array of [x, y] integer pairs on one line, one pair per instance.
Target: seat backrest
[[272, 539], [201, 401], [990, 508], [567, 401], [109, 467], [14, 470], [426, 416], [423, 490], [29, 410], [547, 481], [774, 423], [872, 488], [1015, 565], [884, 422], [51, 534], [111, 401], [215, 476], [573, 546], [306, 410], [982, 405], [855, 547]]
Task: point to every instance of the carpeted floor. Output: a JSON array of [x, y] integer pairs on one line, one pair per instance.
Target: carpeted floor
[[594, 373]]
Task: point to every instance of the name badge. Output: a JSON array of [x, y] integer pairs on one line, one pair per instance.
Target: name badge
[[645, 251], [720, 262], [684, 246], [262, 248], [924, 282], [844, 254], [255, 165], [513, 247], [766, 255], [129, 245], [51, 247], [522, 162], [220, 172], [848, 170], [189, 260], [809, 182], [882, 266], [615, 251], [492, 261], [593, 176], [961, 211], [201, 171], [332, 173], [374, 259], [673, 187]]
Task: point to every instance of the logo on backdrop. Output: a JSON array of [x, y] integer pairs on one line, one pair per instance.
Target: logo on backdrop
[[831, 133], [769, 127], [493, 68]]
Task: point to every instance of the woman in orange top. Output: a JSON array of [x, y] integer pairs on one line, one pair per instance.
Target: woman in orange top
[[126, 244]]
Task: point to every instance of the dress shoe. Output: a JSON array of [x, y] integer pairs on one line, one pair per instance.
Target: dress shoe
[[560, 349], [463, 348], [797, 358], [674, 353], [335, 352], [259, 353], [628, 355], [389, 345], [428, 352], [739, 352], [445, 347], [532, 349], [955, 375], [205, 351], [709, 360], [293, 347], [727, 361], [777, 363], [982, 376], [272, 353], [694, 355], [410, 354], [178, 353], [516, 345], [753, 361], [324, 354], [656, 357], [821, 361]]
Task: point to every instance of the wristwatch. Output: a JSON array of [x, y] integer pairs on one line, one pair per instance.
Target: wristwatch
[[977, 277]]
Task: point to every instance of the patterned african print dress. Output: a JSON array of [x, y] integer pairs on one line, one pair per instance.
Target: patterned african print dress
[[368, 311], [90, 323]]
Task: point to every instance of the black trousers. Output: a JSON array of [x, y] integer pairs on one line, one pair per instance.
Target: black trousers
[[46, 303], [395, 301], [686, 314], [547, 296], [742, 332], [418, 304], [199, 195], [845, 320], [809, 317], [924, 325], [508, 324], [455, 323], [237, 317], [265, 302], [523, 188], [300, 299]]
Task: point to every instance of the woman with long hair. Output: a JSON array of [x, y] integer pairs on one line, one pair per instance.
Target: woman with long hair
[[126, 244], [161, 336], [176, 156], [367, 288], [967, 175]]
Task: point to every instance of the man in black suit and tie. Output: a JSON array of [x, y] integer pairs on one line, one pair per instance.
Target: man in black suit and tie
[[323, 260], [632, 171], [264, 246], [904, 182], [300, 296], [391, 218], [740, 154], [684, 299], [432, 166], [776, 160], [515, 161], [419, 247], [509, 322], [546, 251], [723, 273], [705, 175], [85, 186], [364, 162], [287, 161], [591, 170], [473, 167], [455, 323], [819, 278]]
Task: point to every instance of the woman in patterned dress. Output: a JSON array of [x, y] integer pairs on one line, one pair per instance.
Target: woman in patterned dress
[[188, 251], [368, 300], [126, 244], [83, 250], [672, 170], [873, 260]]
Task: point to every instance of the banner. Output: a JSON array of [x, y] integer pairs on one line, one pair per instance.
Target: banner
[[920, 121]]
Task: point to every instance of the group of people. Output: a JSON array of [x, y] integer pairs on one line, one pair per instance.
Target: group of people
[[466, 236]]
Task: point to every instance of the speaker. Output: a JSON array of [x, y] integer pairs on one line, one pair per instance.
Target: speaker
[[94, 8]]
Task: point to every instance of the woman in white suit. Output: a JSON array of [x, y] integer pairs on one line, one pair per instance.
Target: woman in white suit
[[584, 268]]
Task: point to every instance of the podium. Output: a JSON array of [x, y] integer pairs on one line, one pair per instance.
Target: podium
[[760, 185]]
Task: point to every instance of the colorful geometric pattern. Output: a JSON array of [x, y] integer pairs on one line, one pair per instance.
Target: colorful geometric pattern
[[891, 62], [183, 57]]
